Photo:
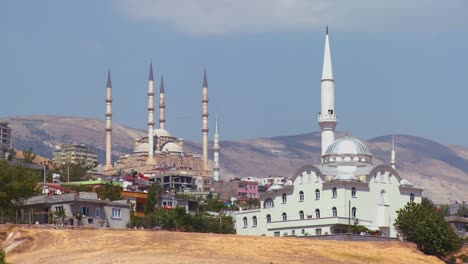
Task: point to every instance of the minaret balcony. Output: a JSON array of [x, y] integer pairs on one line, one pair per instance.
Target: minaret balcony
[[327, 118]]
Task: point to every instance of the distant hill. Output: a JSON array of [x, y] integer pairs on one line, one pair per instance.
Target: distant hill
[[441, 169]]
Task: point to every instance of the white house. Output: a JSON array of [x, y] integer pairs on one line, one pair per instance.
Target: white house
[[346, 189]]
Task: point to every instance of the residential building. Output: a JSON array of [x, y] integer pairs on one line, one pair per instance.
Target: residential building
[[5, 139], [75, 154], [248, 188], [82, 209], [459, 224], [345, 189]]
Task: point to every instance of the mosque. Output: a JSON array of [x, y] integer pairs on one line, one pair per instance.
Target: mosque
[[345, 189], [160, 155]]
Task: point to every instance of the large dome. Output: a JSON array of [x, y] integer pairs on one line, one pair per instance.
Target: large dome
[[161, 132], [347, 145]]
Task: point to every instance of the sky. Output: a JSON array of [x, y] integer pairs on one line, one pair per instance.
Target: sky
[[400, 67]]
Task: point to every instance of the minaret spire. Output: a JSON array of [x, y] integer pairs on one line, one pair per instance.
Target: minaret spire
[[216, 152], [393, 154], [327, 118], [108, 165], [205, 128], [150, 160], [162, 105]]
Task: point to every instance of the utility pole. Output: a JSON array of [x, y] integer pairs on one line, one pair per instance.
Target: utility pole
[[349, 217], [44, 185]]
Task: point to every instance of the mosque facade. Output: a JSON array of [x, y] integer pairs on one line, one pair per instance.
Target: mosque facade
[[346, 189], [160, 155]]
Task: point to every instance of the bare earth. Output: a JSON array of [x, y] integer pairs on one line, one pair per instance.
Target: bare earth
[[140, 246]]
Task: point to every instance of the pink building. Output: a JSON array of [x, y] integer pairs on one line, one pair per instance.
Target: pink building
[[247, 188]]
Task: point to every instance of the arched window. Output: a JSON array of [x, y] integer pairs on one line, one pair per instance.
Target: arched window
[[301, 215], [334, 192], [268, 218], [353, 192], [411, 198], [383, 198], [285, 217], [284, 198], [335, 213], [268, 203], [245, 221], [301, 196], [317, 194], [254, 220], [317, 213], [353, 212]]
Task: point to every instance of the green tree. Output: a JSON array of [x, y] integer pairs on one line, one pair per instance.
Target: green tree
[[154, 192], [462, 210], [425, 226], [17, 183], [444, 209], [29, 156], [109, 191]]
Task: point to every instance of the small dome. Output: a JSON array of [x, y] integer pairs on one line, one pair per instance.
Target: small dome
[[347, 145], [143, 147], [171, 147], [161, 132], [405, 182]]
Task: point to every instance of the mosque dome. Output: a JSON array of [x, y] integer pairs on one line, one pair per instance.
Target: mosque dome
[[161, 132], [143, 147], [347, 145], [405, 182], [171, 147]]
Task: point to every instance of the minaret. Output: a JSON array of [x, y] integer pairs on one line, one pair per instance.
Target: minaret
[[162, 105], [327, 118], [393, 154], [205, 122], [150, 160], [216, 152], [108, 165]]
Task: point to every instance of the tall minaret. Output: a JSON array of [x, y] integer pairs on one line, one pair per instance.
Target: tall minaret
[[108, 165], [150, 160], [205, 122], [327, 118], [216, 152], [162, 105], [393, 154]]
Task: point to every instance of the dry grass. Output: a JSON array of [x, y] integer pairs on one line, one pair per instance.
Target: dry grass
[[139, 246]]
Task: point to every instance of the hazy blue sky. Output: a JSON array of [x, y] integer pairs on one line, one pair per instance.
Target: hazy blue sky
[[400, 66]]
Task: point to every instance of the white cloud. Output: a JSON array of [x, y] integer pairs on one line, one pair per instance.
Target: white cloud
[[239, 16]]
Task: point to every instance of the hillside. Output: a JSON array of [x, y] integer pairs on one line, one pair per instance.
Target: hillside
[[441, 169], [142, 246]]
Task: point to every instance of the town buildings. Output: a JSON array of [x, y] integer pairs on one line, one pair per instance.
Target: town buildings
[[75, 154], [345, 189], [160, 155]]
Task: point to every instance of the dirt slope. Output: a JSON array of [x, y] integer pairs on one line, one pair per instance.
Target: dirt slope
[[140, 246]]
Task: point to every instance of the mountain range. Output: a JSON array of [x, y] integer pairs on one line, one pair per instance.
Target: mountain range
[[442, 170]]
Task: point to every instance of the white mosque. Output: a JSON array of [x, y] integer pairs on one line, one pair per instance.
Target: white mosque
[[346, 189]]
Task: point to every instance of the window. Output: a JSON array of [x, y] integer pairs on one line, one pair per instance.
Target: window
[[303, 231], [277, 233], [317, 213], [353, 192], [268, 203], [116, 213], [254, 221], [353, 212], [98, 212], [334, 192], [301, 215], [285, 217], [284, 198], [383, 198], [245, 221], [268, 218], [411, 198], [59, 209], [335, 213], [84, 210], [301, 196], [317, 194], [318, 231], [293, 232]]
